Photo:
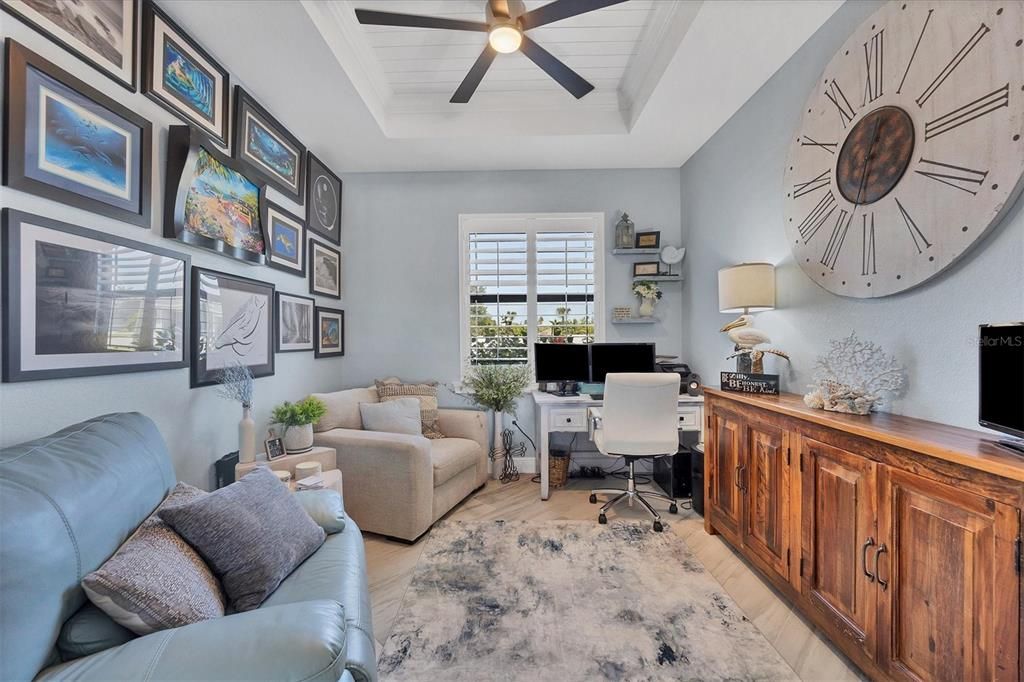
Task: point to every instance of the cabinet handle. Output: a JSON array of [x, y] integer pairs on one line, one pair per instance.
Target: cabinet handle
[[739, 477], [864, 559], [879, 552]]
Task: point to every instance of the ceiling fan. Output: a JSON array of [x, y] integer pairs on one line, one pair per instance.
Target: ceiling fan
[[506, 24]]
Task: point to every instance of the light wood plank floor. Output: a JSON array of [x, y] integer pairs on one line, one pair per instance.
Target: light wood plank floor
[[390, 565]]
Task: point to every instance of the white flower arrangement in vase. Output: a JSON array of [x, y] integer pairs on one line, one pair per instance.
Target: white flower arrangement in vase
[[649, 294]]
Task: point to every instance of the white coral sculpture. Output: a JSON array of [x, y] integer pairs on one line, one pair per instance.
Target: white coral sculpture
[[854, 377]]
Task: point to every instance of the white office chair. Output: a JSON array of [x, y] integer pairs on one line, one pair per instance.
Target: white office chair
[[639, 420]]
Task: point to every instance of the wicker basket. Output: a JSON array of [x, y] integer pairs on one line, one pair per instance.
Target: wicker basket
[[558, 470]]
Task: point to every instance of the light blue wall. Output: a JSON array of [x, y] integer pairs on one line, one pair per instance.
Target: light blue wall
[[732, 206]]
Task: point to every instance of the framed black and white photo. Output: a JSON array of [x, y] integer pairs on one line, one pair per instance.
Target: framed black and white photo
[[323, 200], [265, 145], [274, 447], [78, 302], [324, 270], [646, 269], [99, 32], [648, 240], [232, 322], [69, 142], [330, 332], [182, 77], [285, 237], [295, 316]]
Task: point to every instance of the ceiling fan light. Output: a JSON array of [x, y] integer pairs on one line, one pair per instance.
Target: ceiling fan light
[[505, 38]]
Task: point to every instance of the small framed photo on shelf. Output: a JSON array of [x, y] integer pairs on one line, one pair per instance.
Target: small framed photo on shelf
[[622, 312], [274, 447], [648, 240], [645, 269]]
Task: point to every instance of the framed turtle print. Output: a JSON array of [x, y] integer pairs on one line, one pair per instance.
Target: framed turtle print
[[69, 142], [182, 77], [323, 200], [232, 323], [78, 302], [285, 239], [324, 270], [330, 333], [266, 146], [295, 317], [99, 32]]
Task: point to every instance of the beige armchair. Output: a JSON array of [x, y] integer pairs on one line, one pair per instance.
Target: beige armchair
[[396, 484]]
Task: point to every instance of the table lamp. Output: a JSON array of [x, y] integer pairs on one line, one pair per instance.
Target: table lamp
[[746, 288]]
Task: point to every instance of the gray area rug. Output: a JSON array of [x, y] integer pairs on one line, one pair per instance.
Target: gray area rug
[[569, 600]]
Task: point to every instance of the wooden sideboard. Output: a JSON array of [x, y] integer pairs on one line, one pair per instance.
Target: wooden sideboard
[[900, 538]]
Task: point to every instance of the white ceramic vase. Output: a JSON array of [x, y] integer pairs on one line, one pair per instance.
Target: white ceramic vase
[[246, 436], [498, 465], [647, 304], [298, 439]]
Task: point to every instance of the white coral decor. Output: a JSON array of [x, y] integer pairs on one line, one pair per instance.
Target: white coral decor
[[854, 377]]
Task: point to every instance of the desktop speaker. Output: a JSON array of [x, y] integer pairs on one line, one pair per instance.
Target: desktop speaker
[[692, 385]]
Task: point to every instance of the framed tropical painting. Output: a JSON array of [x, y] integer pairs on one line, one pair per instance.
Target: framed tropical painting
[[330, 333], [69, 142], [267, 148], [285, 239], [295, 317], [324, 270], [99, 32], [323, 200], [182, 77], [77, 302], [208, 201], [232, 323]]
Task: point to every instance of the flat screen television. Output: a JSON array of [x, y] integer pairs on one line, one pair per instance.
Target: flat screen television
[[1001, 379], [610, 358], [561, 362]]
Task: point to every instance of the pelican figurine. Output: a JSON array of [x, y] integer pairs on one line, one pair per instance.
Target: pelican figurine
[[743, 335]]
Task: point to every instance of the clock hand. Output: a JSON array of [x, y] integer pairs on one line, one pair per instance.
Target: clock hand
[[867, 161]]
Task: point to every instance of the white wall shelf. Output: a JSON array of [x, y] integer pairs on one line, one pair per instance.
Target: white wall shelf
[[637, 320], [658, 278], [636, 252]]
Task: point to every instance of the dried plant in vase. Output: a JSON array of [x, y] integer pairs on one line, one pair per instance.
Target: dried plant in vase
[[854, 377], [497, 388], [235, 383]]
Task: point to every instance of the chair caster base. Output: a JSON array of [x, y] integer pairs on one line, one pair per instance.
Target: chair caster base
[[658, 527], [601, 518], [673, 509], [593, 499]]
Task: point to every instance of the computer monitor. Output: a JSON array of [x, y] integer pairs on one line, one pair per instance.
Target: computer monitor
[[1001, 379], [609, 358], [561, 362]]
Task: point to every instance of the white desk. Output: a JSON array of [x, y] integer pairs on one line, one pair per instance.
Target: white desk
[[569, 415]]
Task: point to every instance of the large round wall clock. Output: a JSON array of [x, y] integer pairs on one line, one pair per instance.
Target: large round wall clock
[[910, 146]]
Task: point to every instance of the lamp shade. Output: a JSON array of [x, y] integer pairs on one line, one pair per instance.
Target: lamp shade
[[748, 287]]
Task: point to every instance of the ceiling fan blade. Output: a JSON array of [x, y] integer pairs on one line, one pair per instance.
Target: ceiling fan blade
[[554, 67], [475, 75], [369, 16], [561, 9], [499, 8]]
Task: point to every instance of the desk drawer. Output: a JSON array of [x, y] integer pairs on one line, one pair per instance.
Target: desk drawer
[[568, 419], [689, 419]]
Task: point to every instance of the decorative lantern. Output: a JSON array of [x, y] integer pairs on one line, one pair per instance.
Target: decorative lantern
[[624, 231]]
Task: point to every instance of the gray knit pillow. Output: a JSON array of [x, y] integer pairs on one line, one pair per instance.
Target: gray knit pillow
[[252, 533], [154, 580]]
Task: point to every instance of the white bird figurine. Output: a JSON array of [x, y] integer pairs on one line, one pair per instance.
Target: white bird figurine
[[743, 335]]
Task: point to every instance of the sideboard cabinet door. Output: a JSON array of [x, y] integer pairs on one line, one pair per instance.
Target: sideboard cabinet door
[[840, 537], [948, 585], [725, 469], [766, 511]]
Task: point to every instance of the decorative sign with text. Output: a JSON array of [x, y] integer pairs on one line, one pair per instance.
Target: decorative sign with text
[[741, 382]]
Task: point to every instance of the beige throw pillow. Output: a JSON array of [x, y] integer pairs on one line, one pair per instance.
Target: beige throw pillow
[[155, 580], [425, 393]]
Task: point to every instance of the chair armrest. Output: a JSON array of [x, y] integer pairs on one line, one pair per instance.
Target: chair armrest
[[302, 641], [469, 424]]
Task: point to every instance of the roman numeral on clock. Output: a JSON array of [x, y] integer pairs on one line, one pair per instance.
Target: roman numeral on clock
[[874, 62], [914, 53], [954, 176], [997, 99], [820, 182], [817, 217], [953, 63], [835, 94], [867, 261], [830, 147], [835, 242], [915, 231]]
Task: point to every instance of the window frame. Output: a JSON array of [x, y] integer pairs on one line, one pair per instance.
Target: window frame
[[531, 224]]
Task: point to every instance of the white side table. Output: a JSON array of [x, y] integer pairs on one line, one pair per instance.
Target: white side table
[[327, 457]]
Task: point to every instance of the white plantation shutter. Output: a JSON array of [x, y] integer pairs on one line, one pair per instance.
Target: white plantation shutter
[[526, 279]]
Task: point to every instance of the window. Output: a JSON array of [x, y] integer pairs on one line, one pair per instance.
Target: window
[[528, 278]]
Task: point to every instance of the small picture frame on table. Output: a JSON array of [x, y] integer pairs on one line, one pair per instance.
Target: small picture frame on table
[[648, 240], [646, 269], [274, 447]]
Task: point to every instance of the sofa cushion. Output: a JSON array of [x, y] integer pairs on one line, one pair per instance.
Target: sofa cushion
[[451, 456], [425, 393], [88, 631], [343, 408], [325, 507], [393, 416], [252, 533], [155, 580]]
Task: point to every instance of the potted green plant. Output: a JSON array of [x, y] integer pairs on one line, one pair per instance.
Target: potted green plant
[[497, 388], [297, 420]]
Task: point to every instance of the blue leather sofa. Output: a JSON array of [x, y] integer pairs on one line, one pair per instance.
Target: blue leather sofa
[[67, 501]]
